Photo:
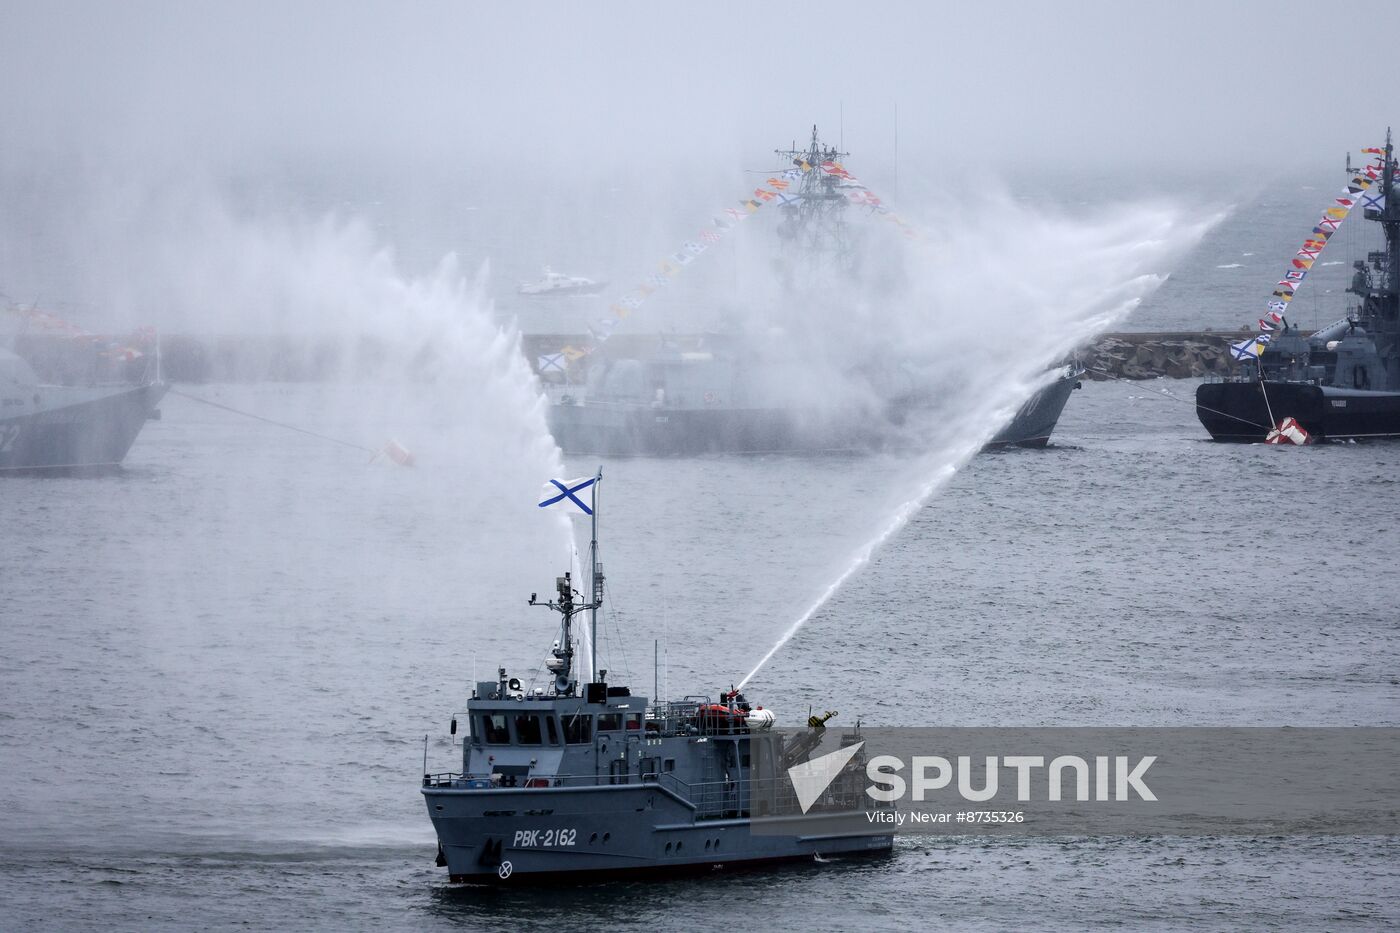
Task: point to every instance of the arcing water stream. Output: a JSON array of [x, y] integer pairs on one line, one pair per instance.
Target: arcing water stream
[[986, 313]]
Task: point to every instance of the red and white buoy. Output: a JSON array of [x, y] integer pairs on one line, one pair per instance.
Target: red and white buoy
[[1289, 431]]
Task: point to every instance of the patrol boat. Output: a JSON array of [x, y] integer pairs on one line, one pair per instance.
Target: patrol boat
[[587, 781], [1339, 383]]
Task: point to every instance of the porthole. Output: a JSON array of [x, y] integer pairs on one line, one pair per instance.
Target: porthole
[[593, 838], [607, 836], [668, 848]]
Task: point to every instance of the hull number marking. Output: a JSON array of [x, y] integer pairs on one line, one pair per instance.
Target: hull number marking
[[529, 838]]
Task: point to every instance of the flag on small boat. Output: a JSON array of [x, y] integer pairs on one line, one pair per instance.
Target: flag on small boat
[[572, 495], [551, 363]]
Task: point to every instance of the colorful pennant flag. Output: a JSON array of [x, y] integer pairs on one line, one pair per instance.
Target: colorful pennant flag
[[1309, 253], [722, 226]]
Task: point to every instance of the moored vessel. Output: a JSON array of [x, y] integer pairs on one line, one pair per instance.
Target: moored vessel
[[54, 427], [750, 390], [1343, 381]]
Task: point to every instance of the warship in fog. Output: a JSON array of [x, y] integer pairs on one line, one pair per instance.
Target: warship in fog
[[55, 427], [1339, 383], [725, 398], [575, 781]]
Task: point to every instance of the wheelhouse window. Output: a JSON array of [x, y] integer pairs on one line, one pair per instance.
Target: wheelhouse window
[[609, 722], [494, 730], [553, 730], [634, 722], [578, 728], [527, 729]]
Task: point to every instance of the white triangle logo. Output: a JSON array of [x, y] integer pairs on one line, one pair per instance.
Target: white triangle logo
[[811, 778]]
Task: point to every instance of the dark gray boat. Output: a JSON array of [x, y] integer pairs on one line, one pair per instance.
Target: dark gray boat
[[1340, 383], [47, 427], [575, 781]]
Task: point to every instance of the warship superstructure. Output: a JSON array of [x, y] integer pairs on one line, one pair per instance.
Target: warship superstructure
[[581, 779], [1341, 382]]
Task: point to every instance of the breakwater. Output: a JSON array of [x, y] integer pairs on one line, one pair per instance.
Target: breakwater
[[1175, 355], [251, 358]]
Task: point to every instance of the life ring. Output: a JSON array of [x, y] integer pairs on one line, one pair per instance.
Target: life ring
[[1360, 378]]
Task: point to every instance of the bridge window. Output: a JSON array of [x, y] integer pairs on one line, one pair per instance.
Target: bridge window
[[494, 730], [527, 729], [553, 730], [609, 722], [578, 728]]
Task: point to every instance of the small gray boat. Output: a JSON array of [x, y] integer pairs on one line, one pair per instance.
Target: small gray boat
[[571, 781]]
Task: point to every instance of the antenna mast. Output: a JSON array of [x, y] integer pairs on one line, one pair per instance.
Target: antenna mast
[[814, 220], [561, 663], [595, 580]]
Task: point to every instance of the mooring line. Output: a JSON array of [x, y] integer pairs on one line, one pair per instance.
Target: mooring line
[[1177, 398], [280, 424]]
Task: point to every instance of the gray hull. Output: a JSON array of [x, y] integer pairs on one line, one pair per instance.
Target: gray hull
[[615, 429], [1036, 419], [553, 834], [72, 427]]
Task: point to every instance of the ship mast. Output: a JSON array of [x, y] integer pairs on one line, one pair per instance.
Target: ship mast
[[1381, 295], [1390, 220], [561, 661], [815, 221], [595, 577]]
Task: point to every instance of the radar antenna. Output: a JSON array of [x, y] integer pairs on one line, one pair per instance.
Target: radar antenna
[[814, 216]]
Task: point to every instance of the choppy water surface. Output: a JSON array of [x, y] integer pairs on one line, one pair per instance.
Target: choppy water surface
[[218, 666]]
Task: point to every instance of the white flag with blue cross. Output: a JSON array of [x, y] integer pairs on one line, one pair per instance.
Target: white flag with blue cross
[[572, 495]]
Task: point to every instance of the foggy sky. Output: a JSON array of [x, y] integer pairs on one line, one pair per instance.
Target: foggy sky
[[237, 84], [595, 137]]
